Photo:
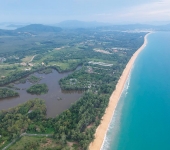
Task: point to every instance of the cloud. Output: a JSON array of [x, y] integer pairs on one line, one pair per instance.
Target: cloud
[[153, 11], [113, 11]]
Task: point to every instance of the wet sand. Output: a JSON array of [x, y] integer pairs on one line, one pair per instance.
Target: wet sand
[[106, 119]]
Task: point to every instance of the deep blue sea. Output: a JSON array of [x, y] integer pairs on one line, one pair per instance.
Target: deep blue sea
[[142, 117]]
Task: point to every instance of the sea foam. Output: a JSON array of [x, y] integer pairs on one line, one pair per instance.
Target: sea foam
[[114, 124]]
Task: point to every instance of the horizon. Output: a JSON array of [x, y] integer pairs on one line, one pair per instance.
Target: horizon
[[156, 23], [77, 24]]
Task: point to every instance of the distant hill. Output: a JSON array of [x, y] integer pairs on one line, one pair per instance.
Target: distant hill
[[38, 28], [14, 26], [137, 27], [165, 27], [82, 27], [131, 27], [7, 32], [80, 24]]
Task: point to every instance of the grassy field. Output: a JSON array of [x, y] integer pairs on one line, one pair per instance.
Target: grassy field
[[38, 143], [27, 59], [7, 69], [101, 60]]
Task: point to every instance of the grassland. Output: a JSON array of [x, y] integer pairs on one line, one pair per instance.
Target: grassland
[[38, 143], [27, 59]]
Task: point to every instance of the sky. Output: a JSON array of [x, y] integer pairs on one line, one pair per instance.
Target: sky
[[109, 11]]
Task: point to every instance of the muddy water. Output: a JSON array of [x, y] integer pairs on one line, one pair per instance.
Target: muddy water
[[53, 104]]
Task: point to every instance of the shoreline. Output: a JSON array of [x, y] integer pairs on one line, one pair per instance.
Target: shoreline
[[114, 99]]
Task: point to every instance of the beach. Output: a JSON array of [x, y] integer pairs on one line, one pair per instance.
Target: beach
[[114, 98]]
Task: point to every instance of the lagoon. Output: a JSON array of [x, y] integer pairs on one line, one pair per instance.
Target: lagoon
[[56, 99]]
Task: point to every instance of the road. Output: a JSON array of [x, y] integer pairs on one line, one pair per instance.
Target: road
[[32, 59]]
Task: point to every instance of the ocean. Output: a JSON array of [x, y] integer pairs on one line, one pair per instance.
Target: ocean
[[142, 118]]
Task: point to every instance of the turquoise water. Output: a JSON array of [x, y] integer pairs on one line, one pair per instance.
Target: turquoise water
[[142, 117]]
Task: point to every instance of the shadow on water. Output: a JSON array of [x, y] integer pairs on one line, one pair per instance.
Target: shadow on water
[[56, 99]]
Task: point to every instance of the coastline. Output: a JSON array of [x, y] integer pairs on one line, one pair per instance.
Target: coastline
[[114, 99]]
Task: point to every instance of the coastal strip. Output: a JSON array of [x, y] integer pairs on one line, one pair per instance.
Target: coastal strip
[[114, 98]]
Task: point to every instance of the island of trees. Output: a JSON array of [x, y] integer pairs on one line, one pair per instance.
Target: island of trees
[[38, 89], [33, 79], [6, 93]]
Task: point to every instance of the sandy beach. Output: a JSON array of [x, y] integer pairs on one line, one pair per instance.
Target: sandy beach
[[106, 119]]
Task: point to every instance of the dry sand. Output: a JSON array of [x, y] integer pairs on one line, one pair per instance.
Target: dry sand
[[106, 119]]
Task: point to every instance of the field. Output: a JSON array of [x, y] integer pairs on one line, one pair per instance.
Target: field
[[39, 143], [27, 59]]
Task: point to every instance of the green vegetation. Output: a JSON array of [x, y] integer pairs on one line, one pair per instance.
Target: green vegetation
[[18, 74], [64, 51], [103, 54], [45, 71], [17, 120], [76, 125], [11, 85], [38, 89], [79, 123], [101, 79], [27, 59], [27, 143], [23, 80], [33, 79], [38, 143], [5, 93]]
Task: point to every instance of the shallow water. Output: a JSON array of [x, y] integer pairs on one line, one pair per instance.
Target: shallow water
[[142, 117]]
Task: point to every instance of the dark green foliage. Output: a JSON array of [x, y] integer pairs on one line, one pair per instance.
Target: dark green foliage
[[38, 89], [4, 93], [33, 79], [45, 71], [16, 120], [100, 79], [24, 80], [73, 123], [14, 76], [18, 74]]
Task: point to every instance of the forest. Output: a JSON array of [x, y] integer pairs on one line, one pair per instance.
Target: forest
[[102, 54], [38, 89], [6, 93], [33, 79], [17, 120], [95, 78], [76, 125]]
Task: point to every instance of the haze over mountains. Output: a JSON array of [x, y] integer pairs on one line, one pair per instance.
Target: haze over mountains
[[73, 24], [38, 28], [82, 24]]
